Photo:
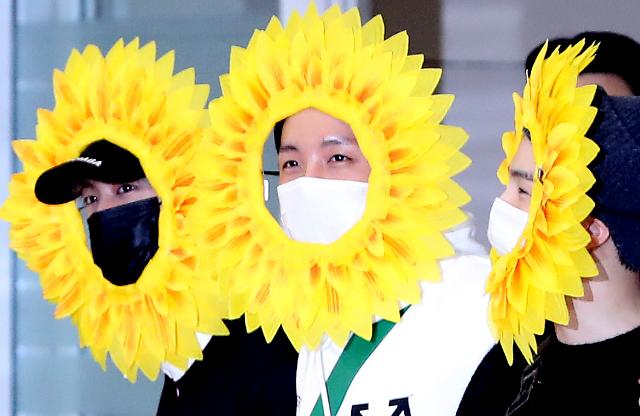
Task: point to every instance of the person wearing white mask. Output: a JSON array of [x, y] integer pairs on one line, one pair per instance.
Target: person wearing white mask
[[355, 269], [319, 160], [510, 212], [425, 361], [507, 221], [592, 346], [599, 344]]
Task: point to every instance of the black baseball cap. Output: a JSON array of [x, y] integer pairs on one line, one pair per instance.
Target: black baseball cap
[[100, 161]]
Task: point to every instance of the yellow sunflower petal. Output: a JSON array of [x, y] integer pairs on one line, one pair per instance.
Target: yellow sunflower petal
[[530, 284]]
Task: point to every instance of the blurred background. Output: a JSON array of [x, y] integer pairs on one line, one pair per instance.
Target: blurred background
[[480, 45]]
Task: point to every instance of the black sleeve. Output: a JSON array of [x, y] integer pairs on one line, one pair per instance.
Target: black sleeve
[[168, 398], [240, 375], [493, 386]]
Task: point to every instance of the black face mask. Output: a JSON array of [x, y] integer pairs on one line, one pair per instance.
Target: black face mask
[[124, 239]]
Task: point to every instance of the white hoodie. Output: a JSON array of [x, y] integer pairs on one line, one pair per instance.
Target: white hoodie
[[426, 360]]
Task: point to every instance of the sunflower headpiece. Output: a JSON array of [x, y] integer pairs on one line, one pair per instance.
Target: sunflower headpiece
[[136, 102], [528, 285], [335, 64]]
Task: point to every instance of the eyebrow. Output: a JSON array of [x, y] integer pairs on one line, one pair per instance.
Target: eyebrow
[[327, 141], [333, 140], [517, 173], [287, 148]]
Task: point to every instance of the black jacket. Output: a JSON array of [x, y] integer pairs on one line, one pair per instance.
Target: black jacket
[[240, 374], [590, 379]]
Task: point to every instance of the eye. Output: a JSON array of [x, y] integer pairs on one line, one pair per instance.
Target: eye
[[523, 192], [88, 200], [290, 164], [125, 188], [339, 158]]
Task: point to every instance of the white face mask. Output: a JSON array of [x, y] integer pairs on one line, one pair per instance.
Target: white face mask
[[315, 210], [506, 225]]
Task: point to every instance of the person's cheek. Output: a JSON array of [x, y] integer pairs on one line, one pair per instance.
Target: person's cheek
[[524, 202]]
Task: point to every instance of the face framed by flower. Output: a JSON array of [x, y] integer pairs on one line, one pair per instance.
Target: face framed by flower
[[133, 100], [334, 64], [529, 284]]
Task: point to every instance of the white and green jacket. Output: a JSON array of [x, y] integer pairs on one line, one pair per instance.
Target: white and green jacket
[[424, 363]]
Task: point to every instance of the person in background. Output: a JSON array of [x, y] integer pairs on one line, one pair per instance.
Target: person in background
[[595, 351], [615, 68]]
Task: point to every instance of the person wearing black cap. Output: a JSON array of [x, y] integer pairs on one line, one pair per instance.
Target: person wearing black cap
[[591, 365], [616, 66], [121, 207], [239, 374]]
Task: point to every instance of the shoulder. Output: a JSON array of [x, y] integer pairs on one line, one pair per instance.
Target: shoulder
[[463, 277], [472, 267], [457, 307], [494, 385]]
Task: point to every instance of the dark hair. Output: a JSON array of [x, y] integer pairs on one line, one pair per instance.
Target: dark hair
[[618, 55], [277, 134]]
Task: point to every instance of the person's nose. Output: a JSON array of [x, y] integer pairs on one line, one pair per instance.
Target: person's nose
[[510, 196], [314, 168], [106, 202]]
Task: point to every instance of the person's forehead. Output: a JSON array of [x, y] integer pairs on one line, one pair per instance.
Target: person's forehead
[[313, 122], [524, 158], [91, 184]]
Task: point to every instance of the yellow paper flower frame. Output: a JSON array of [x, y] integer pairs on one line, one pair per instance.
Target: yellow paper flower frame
[[134, 101], [333, 63], [528, 285]]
